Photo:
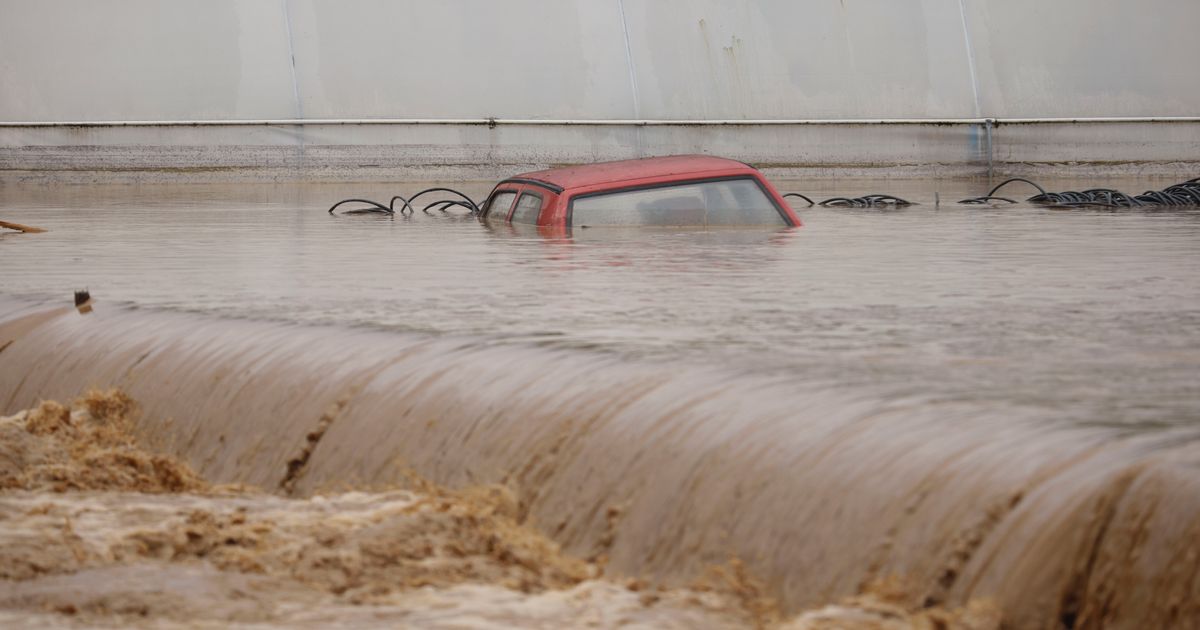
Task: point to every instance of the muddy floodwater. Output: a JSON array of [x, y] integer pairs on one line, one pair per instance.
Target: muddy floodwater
[[996, 407]]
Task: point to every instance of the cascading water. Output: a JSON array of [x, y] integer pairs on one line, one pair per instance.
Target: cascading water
[[664, 468], [984, 403]]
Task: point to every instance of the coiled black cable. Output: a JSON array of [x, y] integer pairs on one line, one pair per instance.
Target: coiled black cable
[[866, 201], [466, 201], [1179, 195], [811, 203], [991, 196], [374, 207], [875, 200]]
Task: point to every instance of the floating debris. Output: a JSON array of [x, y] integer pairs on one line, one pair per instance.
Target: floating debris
[[28, 229], [83, 301]]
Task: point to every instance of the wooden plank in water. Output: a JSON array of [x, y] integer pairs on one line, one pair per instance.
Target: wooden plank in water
[[20, 228]]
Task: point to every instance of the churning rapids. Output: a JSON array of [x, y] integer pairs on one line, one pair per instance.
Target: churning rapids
[[934, 415]]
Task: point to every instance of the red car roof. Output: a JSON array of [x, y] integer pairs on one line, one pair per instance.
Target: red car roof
[[624, 170]]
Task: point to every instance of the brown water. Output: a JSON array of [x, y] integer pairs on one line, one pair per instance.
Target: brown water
[[99, 532], [989, 402]]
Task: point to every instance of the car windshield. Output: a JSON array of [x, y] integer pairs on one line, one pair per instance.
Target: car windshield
[[719, 202]]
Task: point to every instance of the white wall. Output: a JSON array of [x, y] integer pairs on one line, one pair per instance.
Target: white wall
[[1070, 58], [72, 61], [81, 60]]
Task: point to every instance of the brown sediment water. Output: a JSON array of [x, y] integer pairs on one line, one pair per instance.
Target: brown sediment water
[[55, 448], [100, 532], [984, 403], [640, 469]]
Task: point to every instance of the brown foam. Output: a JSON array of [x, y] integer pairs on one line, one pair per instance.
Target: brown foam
[[87, 446], [118, 545]]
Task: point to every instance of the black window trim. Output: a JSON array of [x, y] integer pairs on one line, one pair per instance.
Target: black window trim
[[499, 191], [533, 182], [678, 182], [517, 204]]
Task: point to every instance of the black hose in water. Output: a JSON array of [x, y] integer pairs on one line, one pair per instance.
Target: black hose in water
[[810, 201], [1184, 194], [874, 200], [474, 207], [866, 201], [374, 207]]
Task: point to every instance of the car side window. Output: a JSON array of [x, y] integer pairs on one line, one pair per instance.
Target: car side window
[[717, 202], [498, 207], [528, 208]]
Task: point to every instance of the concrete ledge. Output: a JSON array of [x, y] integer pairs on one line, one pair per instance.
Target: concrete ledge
[[425, 150]]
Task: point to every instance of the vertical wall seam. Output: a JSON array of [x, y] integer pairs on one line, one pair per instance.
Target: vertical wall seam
[[637, 108], [287, 24], [987, 131], [962, 13]]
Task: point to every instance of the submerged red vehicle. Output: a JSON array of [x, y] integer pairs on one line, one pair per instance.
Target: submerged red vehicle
[[684, 190]]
